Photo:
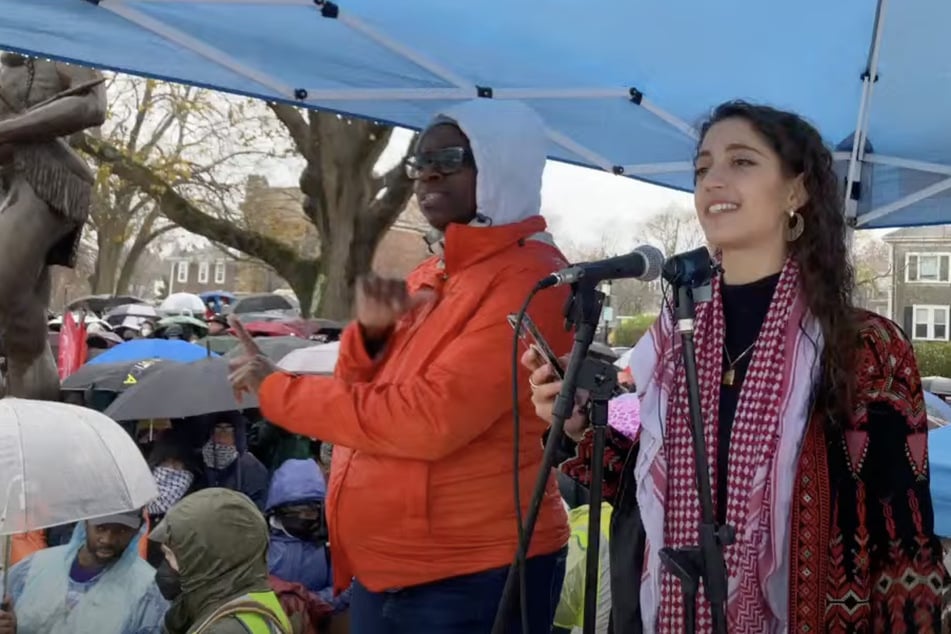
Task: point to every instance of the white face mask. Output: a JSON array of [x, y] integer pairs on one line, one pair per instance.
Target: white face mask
[[218, 456]]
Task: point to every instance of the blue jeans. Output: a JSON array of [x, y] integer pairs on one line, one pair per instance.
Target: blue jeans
[[460, 605]]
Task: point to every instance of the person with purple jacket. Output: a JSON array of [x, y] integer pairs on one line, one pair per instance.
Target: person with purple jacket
[[299, 551]]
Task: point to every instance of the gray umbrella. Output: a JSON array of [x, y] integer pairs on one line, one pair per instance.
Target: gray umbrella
[[275, 348], [179, 391]]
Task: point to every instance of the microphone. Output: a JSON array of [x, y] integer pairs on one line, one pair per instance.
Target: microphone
[[693, 268], [643, 263]]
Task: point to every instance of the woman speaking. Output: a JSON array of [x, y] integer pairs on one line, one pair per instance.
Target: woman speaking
[[813, 415]]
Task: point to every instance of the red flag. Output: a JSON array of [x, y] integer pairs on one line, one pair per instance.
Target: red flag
[[72, 346]]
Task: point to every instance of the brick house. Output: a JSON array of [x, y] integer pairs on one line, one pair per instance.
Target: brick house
[[921, 281], [200, 270]]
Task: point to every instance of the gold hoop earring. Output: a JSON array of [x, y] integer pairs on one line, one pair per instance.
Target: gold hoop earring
[[795, 226]]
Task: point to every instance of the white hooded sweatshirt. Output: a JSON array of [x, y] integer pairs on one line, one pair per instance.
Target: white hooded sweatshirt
[[508, 143]]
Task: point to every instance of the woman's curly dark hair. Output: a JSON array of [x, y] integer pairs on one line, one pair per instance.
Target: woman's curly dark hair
[[821, 250]]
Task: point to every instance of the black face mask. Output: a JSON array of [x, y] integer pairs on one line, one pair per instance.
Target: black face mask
[[308, 530], [168, 580]]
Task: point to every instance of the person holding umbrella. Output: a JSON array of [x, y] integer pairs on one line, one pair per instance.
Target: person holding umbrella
[[96, 583]]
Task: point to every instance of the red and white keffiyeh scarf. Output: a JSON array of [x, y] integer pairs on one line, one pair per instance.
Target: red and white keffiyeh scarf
[[768, 425]]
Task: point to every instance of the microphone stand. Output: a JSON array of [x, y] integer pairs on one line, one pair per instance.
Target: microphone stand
[[599, 377], [704, 561]]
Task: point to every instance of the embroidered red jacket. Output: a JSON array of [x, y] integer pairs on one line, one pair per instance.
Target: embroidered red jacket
[[863, 551]]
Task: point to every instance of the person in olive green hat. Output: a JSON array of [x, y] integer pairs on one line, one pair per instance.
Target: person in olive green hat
[[215, 572]]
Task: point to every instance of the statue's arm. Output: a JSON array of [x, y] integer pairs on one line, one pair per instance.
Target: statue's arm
[[61, 117]]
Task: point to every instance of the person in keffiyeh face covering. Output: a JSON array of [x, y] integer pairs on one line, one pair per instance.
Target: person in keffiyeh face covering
[[174, 472], [813, 415], [172, 476]]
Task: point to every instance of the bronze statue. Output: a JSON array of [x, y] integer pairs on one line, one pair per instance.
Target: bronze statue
[[45, 190]]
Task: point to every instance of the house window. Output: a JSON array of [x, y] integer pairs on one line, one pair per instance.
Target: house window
[[182, 272], [931, 323], [203, 272], [220, 272], [930, 268]]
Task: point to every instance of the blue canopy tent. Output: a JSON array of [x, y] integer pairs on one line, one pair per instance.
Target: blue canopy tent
[[619, 83]]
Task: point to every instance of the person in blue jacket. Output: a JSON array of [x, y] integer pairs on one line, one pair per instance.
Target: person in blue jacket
[[95, 583], [299, 552]]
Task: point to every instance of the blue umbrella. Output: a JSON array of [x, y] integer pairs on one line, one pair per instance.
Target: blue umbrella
[[140, 349], [939, 455], [216, 296], [619, 83]]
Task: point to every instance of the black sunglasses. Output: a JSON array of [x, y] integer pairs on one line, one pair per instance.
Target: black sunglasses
[[445, 161]]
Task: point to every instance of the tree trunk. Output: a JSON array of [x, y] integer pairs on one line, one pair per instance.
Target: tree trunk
[[145, 236], [342, 263], [303, 281], [107, 265], [350, 206]]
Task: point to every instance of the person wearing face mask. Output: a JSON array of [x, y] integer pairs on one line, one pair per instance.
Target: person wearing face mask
[[95, 583], [813, 414], [295, 510], [170, 464], [421, 504], [229, 464], [215, 570]]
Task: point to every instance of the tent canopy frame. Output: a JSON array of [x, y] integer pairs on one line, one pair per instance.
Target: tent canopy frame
[[462, 89]]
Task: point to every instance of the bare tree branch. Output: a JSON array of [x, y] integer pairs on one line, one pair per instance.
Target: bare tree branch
[[142, 108], [296, 125], [289, 264]]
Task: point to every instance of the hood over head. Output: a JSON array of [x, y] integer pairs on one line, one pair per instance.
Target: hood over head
[[509, 144], [296, 482], [220, 541]]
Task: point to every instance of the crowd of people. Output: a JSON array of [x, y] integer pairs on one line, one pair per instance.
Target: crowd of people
[[812, 410], [136, 560]]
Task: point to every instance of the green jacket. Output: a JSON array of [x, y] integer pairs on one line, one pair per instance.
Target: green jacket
[[220, 540], [277, 446]]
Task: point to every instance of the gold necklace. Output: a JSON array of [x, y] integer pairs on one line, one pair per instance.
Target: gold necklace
[[729, 376]]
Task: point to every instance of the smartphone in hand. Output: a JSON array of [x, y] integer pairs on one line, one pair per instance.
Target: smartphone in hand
[[532, 339]]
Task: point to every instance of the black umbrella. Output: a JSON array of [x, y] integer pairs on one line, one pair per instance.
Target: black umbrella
[[180, 391], [112, 377], [274, 348], [101, 303]]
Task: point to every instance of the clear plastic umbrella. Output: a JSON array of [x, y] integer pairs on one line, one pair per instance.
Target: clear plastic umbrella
[[182, 304], [320, 359], [61, 463]]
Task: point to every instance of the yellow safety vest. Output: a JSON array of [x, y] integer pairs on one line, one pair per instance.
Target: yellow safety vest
[[570, 611], [255, 622], [258, 624]]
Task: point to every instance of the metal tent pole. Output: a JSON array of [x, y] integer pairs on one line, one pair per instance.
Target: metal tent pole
[[869, 77]]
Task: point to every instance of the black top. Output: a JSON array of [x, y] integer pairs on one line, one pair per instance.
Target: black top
[[744, 310]]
